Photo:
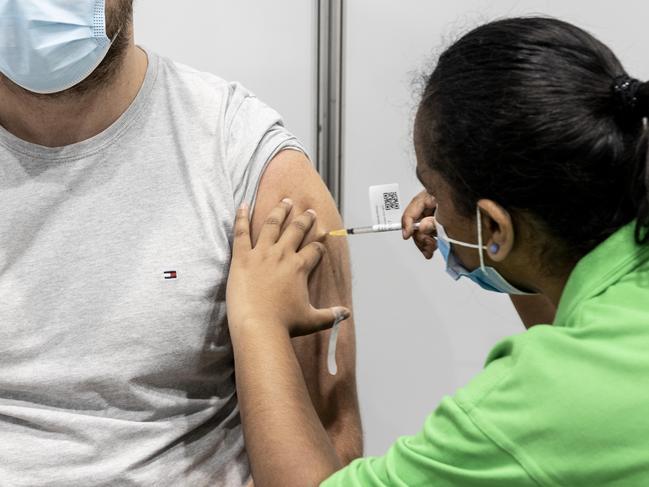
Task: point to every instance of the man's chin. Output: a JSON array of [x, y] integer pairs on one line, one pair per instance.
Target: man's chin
[[100, 78]]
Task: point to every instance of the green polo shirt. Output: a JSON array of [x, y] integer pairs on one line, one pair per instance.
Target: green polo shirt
[[558, 405]]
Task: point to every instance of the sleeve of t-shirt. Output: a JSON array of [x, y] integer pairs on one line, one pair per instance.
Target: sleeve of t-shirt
[[254, 134], [450, 451]]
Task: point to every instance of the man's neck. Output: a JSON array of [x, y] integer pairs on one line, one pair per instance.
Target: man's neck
[[57, 122]]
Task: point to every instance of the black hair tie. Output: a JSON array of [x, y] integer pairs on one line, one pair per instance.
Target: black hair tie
[[625, 91]]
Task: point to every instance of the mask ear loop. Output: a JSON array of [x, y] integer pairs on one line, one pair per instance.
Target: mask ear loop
[[452, 240], [480, 247]]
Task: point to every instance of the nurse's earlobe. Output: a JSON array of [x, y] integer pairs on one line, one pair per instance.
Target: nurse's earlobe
[[498, 228]]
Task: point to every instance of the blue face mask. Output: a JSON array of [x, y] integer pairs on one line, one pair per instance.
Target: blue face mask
[[47, 46], [486, 277]]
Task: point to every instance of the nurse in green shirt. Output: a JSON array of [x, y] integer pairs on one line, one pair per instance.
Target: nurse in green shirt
[[531, 142]]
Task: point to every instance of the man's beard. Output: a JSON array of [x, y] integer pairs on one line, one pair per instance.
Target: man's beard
[[119, 20]]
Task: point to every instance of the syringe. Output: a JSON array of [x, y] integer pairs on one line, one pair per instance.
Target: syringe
[[390, 227]]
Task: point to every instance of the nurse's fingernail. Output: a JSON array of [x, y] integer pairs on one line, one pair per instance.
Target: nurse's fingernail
[[288, 201], [312, 212]]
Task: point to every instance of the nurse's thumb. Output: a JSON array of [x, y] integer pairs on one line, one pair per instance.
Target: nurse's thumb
[[427, 225], [323, 319]]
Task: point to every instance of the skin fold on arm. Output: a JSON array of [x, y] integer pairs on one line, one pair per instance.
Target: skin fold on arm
[[291, 175]]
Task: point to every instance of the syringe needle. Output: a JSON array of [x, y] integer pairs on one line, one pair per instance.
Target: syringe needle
[[373, 229]]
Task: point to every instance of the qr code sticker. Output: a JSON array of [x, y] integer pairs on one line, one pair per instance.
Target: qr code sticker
[[391, 201]]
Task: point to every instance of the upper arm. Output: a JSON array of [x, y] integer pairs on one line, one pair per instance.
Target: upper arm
[[291, 175]]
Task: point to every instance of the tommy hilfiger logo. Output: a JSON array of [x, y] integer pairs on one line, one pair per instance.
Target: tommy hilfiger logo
[[170, 274]]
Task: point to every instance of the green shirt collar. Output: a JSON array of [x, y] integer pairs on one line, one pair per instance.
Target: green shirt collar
[[602, 267]]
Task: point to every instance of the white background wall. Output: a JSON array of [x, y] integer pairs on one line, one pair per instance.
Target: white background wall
[[420, 335]]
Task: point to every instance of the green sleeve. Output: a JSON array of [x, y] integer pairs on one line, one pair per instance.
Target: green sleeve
[[449, 451]]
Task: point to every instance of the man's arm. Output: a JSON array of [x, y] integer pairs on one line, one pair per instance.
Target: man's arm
[[335, 398]]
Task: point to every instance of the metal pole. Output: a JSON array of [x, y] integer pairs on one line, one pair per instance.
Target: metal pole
[[330, 95]]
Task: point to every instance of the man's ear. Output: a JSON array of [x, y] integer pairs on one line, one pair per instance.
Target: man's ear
[[498, 229]]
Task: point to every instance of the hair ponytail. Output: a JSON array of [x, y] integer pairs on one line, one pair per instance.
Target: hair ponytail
[[642, 175]]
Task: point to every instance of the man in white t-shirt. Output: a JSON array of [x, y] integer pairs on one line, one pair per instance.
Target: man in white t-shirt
[[118, 192]]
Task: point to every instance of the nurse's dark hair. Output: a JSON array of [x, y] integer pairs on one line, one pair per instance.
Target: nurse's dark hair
[[541, 117]]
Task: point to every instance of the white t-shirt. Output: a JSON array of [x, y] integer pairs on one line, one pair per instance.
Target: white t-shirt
[[115, 362]]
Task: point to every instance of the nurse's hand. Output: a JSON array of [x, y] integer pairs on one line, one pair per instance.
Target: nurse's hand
[[421, 209], [267, 284]]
